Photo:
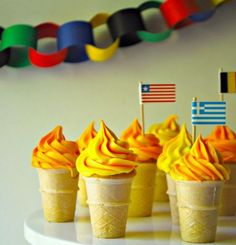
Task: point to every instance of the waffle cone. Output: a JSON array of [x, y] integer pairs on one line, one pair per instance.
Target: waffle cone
[[173, 200], [198, 204], [160, 187], [108, 200], [174, 209], [58, 191], [142, 190], [228, 205], [82, 193], [108, 221]]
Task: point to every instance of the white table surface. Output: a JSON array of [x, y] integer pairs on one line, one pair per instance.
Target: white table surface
[[153, 230]]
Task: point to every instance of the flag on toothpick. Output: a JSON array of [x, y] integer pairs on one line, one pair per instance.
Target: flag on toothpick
[[227, 82], [209, 113], [154, 93]]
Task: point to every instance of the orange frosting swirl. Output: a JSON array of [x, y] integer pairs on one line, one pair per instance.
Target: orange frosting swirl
[[166, 130], [54, 151], [106, 155], [224, 140], [145, 146], [88, 134], [202, 163]]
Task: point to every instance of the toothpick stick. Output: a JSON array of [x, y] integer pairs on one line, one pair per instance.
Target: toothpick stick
[[141, 108], [222, 97], [221, 94], [194, 129], [142, 117]]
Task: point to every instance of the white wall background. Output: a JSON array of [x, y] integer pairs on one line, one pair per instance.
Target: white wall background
[[33, 101]]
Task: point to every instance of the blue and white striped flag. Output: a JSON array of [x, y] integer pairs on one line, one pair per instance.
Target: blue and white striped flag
[[209, 113]]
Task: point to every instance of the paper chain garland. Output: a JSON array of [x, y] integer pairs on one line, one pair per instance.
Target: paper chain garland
[[75, 39]]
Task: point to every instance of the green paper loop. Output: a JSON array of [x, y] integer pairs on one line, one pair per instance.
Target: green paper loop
[[149, 36], [154, 37], [19, 38], [150, 4]]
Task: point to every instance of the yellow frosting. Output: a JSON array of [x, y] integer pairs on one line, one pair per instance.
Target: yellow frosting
[[106, 155], [202, 163], [174, 149], [88, 134], [224, 140], [54, 151], [166, 130], [145, 146]]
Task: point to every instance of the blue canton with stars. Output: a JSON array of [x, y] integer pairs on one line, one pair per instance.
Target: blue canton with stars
[[145, 88]]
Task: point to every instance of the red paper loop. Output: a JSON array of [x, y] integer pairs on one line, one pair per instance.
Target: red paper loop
[[176, 12], [46, 60]]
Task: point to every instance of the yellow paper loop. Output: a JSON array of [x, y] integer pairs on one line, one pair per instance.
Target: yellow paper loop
[[217, 2], [101, 54]]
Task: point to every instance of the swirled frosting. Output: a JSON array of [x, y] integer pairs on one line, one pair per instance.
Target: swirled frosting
[[166, 130], [224, 140], [145, 146], [202, 163], [88, 134], [106, 155], [174, 149], [54, 151]]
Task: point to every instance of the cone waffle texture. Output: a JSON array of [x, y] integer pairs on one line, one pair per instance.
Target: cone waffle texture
[[198, 204], [108, 201], [59, 191], [142, 190], [228, 205], [82, 193], [173, 200], [160, 187], [108, 221]]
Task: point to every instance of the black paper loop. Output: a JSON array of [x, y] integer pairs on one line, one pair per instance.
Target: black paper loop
[[124, 24], [5, 54]]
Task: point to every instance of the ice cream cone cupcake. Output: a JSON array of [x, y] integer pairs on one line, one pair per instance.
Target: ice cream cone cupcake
[[83, 142], [199, 176], [147, 149], [224, 140], [108, 168], [172, 151], [55, 159], [164, 132]]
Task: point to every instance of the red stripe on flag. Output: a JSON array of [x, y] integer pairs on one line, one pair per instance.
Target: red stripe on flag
[[152, 101], [160, 98]]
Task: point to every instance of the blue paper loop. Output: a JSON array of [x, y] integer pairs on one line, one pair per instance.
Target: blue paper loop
[[206, 10], [202, 16], [75, 35]]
